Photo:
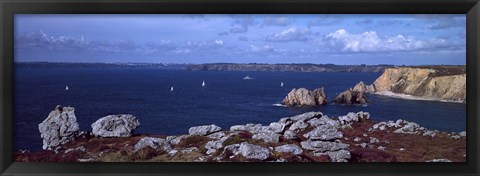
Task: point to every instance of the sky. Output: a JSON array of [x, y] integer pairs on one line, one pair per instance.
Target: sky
[[411, 39]]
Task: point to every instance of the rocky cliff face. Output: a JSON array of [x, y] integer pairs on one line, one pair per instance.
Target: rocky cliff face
[[304, 97], [447, 83]]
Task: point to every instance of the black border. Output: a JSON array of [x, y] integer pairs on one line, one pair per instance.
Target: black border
[[10, 7]]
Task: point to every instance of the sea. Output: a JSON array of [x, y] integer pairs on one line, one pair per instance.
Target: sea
[[225, 100]]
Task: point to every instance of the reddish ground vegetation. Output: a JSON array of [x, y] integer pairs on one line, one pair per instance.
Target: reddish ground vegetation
[[402, 147]]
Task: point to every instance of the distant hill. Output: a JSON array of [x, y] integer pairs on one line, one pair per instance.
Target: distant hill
[[288, 67]]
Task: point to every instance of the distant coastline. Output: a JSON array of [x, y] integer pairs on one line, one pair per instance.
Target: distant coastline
[[280, 67]]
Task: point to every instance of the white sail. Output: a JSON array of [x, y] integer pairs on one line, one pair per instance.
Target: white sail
[[66, 88], [171, 89], [247, 77], [203, 84], [281, 84]]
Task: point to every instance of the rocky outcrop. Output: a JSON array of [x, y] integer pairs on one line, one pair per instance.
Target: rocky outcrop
[[444, 83], [155, 143], [251, 151], [308, 137], [121, 125], [351, 97], [59, 127], [204, 130], [304, 97]]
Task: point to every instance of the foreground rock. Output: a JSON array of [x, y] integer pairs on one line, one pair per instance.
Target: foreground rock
[[308, 137], [121, 125], [304, 97], [351, 97], [59, 127], [444, 83], [204, 130]]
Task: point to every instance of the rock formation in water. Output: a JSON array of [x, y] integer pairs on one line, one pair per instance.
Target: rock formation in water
[[59, 127], [351, 97], [121, 125], [446, 83], [304, 97]]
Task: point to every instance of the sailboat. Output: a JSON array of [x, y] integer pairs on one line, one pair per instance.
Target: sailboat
[[281, 84], [247, 77], [203, 84], [171, 89], [66, 88]]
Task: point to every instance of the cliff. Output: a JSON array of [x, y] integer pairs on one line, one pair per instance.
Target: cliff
[[287, 67], [443, 83]]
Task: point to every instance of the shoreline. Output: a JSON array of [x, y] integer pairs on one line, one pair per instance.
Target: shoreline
[[411, 97]]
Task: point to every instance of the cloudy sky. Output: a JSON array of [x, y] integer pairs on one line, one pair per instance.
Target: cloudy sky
[[337, 39]]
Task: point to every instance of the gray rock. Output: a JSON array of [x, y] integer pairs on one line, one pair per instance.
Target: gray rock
[[278, 127], [429, 133], [204, 130], [155, 143], [357, 139], [304, 97], [306, 116], [234, 148], [251, 151], [374, 140], [213, 146], [324, 132], [173, 152], [121, 125], [289, 148], [174, 140], [462, 134], [253, 128], [381, 148], [323, 146], [336, 156], [267, 136], [290, 135], [60, 127], [216, 135], [81, 148], [298, 126], [439, 160], [189, 150]]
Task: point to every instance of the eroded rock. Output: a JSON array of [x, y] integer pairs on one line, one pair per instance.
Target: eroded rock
[[304, 97], [121, 125], [60, 127]]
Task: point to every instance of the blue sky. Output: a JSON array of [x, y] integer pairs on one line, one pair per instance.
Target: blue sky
[[338, 39]]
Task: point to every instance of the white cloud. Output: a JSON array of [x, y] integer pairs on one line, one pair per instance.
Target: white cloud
[[370, 41], [291, 34], [219, 42]]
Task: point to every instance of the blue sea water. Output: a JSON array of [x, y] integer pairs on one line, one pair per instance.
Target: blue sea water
[[226, 99]]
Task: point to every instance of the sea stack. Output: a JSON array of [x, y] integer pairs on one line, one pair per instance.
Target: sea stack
[[304, 97], [59, 127], [351, 97]]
